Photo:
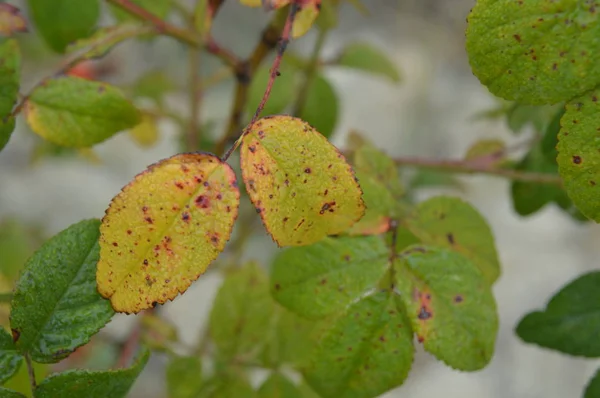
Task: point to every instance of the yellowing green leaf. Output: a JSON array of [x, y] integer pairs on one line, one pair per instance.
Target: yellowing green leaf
[[578, 157], [10, 358], [449, 304], [454, 224], [56, 306], [241, 318], [364, 57], [306, 17], [75, 112], [324, 278], [104, 39], [11, 20], [61, 22], [10, 72], [145, 134], [321, 109], [92, 384], [164, 229], [545, 52], [299, 183], [367, 351]]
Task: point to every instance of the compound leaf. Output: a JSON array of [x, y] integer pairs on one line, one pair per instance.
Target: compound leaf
[[571, 320], [321, 109], [10, 72], [592, 390], [543, 42], [364, 57], [184, 377], [449, 304], [164, 229], [278, 386], [75, 112], [324, 278], [56, 307], [10, 358], [61, 22], [578, 157], [299, 183], [242, 313], [454, 224], [367, 351], [96, 384]]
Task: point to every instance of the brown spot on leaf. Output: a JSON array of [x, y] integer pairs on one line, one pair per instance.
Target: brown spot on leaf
[[517, 38], [185, 216], [16, 334], [277, 286], [450, 238], [327, 207], [577, 159], [458, 298], [129, 232], [149, 220], [307, 170], [179, 185], [202, 201]]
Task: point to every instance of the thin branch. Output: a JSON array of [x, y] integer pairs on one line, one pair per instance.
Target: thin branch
[[283, 43], [30, 372], [478, 166], [268, 42], [186, 36]]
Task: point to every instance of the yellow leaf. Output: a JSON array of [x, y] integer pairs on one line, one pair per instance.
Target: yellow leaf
[[300, 184], [305, 18], [145, 134], [164, 229]]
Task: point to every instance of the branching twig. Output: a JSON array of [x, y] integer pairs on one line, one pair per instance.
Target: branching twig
[[283, 43], [186, 36]]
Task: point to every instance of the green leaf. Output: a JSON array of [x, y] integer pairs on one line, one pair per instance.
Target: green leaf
[[154, 85], [229, 385], [88, 384], [6, 393], [321, 109], [449, 304], [75, 112], [56, 307], [366, 58], [104, 39], [578, 153], [303, 192], [281, 94], [454, 224], [241, 316], [10, 73], [529, 198], [367, 351], [159, 8], [382, 190], [542, 43], [21, 383], [10, 359], [162, 231], [184, 377], [324, 278], [592, 390], [278, 386], [571, 320], [61, 22], [550, 138], [519, 116]]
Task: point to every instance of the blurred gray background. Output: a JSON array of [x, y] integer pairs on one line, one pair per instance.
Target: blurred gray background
[[429, 114]]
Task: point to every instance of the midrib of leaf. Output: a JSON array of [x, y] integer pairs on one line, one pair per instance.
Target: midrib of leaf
[[131, 267], [49, 316]]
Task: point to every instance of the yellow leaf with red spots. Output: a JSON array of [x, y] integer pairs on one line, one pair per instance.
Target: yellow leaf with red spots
[[300, 184], [164, 229]]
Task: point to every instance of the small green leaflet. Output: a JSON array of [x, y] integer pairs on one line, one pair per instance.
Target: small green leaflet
[[10, 73], [281, 94], [366, 58], [61, 22], [10, 359], [454, 224], [593, 388], [449, 304], [367, 350], [321, 109], [56, 306], [571, 320], [104, 39], [578, 153], [522, 57], [184, 377], [96, 384], [75, 112], [241, 316]]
